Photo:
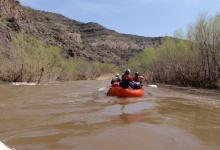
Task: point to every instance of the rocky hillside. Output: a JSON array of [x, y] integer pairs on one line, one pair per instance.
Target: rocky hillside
[[89, 40]]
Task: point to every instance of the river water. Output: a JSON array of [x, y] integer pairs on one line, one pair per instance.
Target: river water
[[79, 116]]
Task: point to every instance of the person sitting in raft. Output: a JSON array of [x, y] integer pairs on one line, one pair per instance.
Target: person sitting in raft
[[116, 80], [138, 81], [127, 79]]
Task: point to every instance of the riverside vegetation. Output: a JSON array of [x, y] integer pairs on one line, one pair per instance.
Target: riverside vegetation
[[32, 60], [194, 61], [37, 45]]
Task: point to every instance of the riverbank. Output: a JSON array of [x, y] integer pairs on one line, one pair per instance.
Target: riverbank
[[108, 77], [105, 77]]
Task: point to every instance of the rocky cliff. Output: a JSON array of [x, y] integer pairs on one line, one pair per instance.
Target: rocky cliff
[[89, 40]]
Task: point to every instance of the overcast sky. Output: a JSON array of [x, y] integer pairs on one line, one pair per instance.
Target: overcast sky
[[140, 17]]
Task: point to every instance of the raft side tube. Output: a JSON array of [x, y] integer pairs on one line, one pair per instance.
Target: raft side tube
[[121, 92]]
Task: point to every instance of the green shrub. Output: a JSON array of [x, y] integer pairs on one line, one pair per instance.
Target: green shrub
[[78, 69], [2, 24], [194, 61], [27, 59], [33, 60]]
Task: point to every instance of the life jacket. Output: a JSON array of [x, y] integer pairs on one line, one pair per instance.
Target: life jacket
[[116, 84], [138, 79], [125, 80]]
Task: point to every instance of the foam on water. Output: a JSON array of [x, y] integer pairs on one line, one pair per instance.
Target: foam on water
[[24, 83], [153, 86]]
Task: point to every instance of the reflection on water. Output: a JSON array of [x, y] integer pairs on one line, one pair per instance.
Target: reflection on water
[[79, 116], [131, 118]]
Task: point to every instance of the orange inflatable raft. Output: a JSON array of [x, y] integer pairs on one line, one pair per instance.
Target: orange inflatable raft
[[121, 92]]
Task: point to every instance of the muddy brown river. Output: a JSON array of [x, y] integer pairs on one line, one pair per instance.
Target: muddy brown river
[[79, 116]]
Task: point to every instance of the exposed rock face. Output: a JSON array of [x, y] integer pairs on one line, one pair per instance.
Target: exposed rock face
[[11, 15], [11, 9], [88, 40]]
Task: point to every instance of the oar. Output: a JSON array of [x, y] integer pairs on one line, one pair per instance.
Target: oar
[[104, 88]]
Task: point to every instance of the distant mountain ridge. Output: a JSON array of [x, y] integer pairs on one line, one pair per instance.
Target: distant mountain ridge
[[89, 40]]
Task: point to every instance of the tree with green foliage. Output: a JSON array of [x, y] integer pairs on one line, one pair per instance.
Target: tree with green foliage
[[194, 61]]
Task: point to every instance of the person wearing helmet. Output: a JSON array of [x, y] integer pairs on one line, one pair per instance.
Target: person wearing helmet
[[116, 80], [127, 79], [138, 78], [138, 81]]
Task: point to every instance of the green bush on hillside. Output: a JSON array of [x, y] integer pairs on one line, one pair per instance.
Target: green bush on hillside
[[33, 60], [27, 59], [2, 24]]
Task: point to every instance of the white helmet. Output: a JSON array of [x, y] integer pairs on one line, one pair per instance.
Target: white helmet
[[127, 71]]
